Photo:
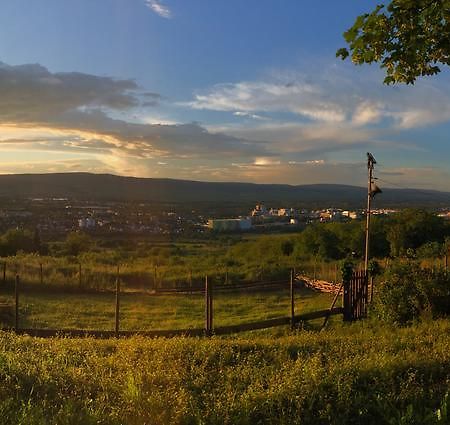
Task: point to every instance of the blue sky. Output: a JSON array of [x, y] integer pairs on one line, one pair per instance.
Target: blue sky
[[209, 90]]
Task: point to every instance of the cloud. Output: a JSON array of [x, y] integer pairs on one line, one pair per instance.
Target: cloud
[[251, 97], [247, 115], [292, 129], [159, 8], [73, 112], [334, 96]]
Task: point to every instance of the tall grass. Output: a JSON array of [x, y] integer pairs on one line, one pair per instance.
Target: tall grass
[[356, 374]]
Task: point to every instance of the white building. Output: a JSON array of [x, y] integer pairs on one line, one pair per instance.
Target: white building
[[230, 224], [86, 223]]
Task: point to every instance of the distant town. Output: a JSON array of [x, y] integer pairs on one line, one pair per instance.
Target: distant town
[[59, 216]]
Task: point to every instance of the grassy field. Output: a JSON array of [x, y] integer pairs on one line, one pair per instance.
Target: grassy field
[[146, 312], [146, 266], [355, 374]]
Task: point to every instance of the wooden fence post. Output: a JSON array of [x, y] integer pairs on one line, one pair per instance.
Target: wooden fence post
[[291, 283], [211, 311], [4, 272], [206, 306], [16, 304], [79, 275], [41, 274], [117, 315]]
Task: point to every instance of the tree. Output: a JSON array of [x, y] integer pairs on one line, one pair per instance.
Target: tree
[[15, 240], [410, 38], [76, 243], [412, 228]]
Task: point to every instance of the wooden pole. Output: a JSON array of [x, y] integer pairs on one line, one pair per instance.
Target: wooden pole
[[332, 305], [190, 281], [211, 311], [4, 272], [117, 315], [291, 287], [207, 305], [16, 304], [446, 261], [79, 275], [41, 274], [370, 163]]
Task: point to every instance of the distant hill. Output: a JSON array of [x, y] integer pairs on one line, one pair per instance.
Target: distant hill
[[106, 187]]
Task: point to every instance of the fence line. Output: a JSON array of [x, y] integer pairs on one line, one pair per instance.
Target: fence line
[[221, 330], [209, 329]]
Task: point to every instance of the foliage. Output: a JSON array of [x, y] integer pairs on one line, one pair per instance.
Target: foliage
[[77, 242], [350, 376], [430, 250], [374, 268], [347, 267], [412, 228], [410, 38], [410, 292], [15, 240], [319, 241]]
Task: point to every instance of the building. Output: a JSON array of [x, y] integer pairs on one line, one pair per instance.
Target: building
[[259, 211], [229, 224], [86, 223]]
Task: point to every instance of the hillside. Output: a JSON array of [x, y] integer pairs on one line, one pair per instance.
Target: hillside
[[106, 187]]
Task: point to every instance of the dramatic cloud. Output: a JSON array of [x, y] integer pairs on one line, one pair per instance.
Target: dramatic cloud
[[331, 97], [159, 8], [77, 107], [284, 129]]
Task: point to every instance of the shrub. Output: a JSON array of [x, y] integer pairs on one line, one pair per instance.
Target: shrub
[[409, 292]]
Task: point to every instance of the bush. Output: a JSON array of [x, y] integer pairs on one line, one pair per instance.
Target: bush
[[409, 292]]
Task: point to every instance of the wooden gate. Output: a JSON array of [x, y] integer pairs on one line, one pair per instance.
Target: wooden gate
[[355, 296]]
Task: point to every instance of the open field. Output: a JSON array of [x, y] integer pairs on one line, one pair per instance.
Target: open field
[[347, 375], [147, 312]]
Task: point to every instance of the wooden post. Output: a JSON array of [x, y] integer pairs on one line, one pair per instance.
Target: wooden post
[[332, 306], [41, 274], [4, 272], [117, 315], [211, 311], [291, 287], [314, 272], [155, 284], [190, 281], [16, 304], [446, 261], [371, 288], [370, 164], [79, 275], [207, 305]]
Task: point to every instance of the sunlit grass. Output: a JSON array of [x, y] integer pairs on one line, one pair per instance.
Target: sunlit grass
[[352, 374], [148, 312]]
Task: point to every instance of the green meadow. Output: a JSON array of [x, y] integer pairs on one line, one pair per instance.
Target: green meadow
[[141, 311], [356, 374]]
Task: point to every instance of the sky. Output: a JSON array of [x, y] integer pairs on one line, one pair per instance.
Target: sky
[[211, 90]]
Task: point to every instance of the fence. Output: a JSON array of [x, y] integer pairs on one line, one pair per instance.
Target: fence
[[209, 292]]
